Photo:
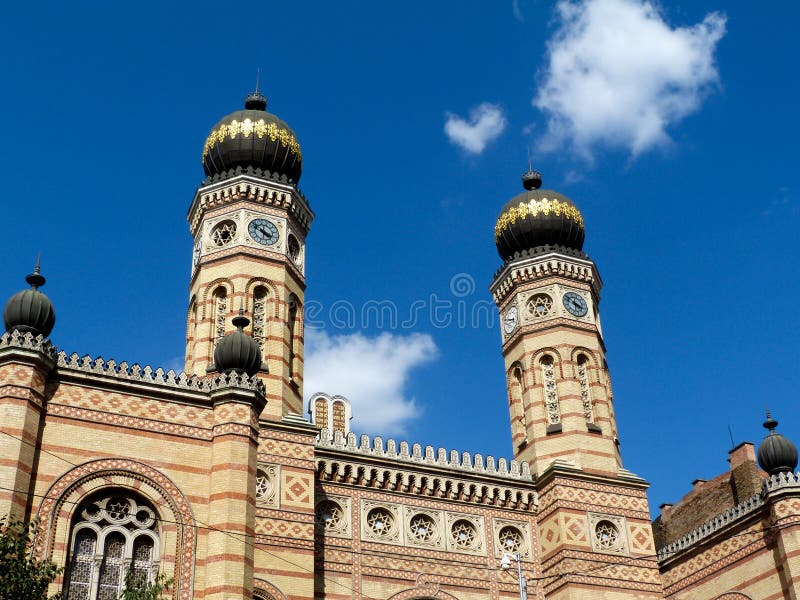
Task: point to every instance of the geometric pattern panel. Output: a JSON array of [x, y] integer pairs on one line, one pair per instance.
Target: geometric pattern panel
[[641, 538], [549, 536], [268, 479], [608, 533], [296, 489]]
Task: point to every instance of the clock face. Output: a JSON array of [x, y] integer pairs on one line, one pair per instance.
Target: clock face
[[511, 319], [263, 231], [575, 304]]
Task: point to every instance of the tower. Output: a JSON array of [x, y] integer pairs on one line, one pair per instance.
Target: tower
[[548, 293], [249, 222], [594, 516]]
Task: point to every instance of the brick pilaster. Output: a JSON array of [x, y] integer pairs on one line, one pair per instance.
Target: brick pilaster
[[229, 572], [23, 375]]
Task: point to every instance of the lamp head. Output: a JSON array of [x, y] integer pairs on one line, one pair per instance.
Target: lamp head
[[505, 563]]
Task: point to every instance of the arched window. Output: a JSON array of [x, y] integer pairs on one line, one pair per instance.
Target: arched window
[[191, 330], [292, 325], [260, 317], [583, 380], [519, 425], [113, 532], [321, 412], [551, 406], [339, 416], [219, 314]]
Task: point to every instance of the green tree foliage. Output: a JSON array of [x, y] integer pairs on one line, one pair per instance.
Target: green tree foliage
[[21, 575], [138, 588]]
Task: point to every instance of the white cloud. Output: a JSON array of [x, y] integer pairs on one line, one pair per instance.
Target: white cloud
[[370, 372], [618, 75], [486, 122], [517, 12]]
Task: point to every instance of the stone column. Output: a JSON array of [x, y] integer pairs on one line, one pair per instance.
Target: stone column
[[237, 402]]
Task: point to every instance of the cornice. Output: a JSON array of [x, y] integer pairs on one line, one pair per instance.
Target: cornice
[[254, 189], [411, 469], [540, 266], [568, 470]]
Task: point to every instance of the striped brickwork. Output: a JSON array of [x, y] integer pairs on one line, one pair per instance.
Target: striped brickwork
[[239, 271], [573, 563], [22, 393], [284, 529]]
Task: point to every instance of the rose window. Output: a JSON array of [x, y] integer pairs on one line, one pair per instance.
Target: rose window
[[422, 528], [607, 535], [510, 540], [540, 305], [293, 248], [330, 515], [223, 234], [263, 485], [111, 535], [380, 521], [464, 535]]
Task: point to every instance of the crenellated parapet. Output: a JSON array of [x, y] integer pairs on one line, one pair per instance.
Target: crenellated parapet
[[134, 372], [27, 341], [410, 468]]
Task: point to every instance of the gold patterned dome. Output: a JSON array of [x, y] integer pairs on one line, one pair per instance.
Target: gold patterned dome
[[537, 218], [253, 138]]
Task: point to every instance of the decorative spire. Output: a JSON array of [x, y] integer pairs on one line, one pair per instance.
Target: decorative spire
[[770, 424], [240, 321], [30, 310], [776, 454], [532, 180], [256, 100], [35, 279]]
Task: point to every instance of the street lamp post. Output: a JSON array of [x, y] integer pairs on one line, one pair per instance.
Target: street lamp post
[[505, 564]]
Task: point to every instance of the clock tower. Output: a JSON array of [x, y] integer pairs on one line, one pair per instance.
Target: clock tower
[[593, 513], [249, 222]]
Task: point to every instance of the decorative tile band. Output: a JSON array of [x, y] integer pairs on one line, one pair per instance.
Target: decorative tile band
[[535, 207], [248, 127]]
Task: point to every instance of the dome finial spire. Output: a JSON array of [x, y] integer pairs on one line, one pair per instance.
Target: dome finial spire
[[35, 279], [770, 424], [532, 180], [240, 321], [256, 100]]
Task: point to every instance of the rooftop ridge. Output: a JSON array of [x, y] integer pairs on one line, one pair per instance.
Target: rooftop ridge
[[414, 453], [744, 508], [129, 372]]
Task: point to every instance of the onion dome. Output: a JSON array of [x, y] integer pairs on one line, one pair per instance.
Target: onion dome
[[776, 454], [30, 310], [253, 138], [238, 351], [537, 218]]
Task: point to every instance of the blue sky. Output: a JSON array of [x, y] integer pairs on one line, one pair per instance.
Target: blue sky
[[675, 134]]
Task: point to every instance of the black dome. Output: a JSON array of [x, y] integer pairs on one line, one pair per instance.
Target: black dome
[[537, 218], [237, 351], [30, 310], [253, 138], [776, 454]]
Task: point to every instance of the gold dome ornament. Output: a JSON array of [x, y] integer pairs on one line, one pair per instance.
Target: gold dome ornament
[[537, 218], [253, 138]]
